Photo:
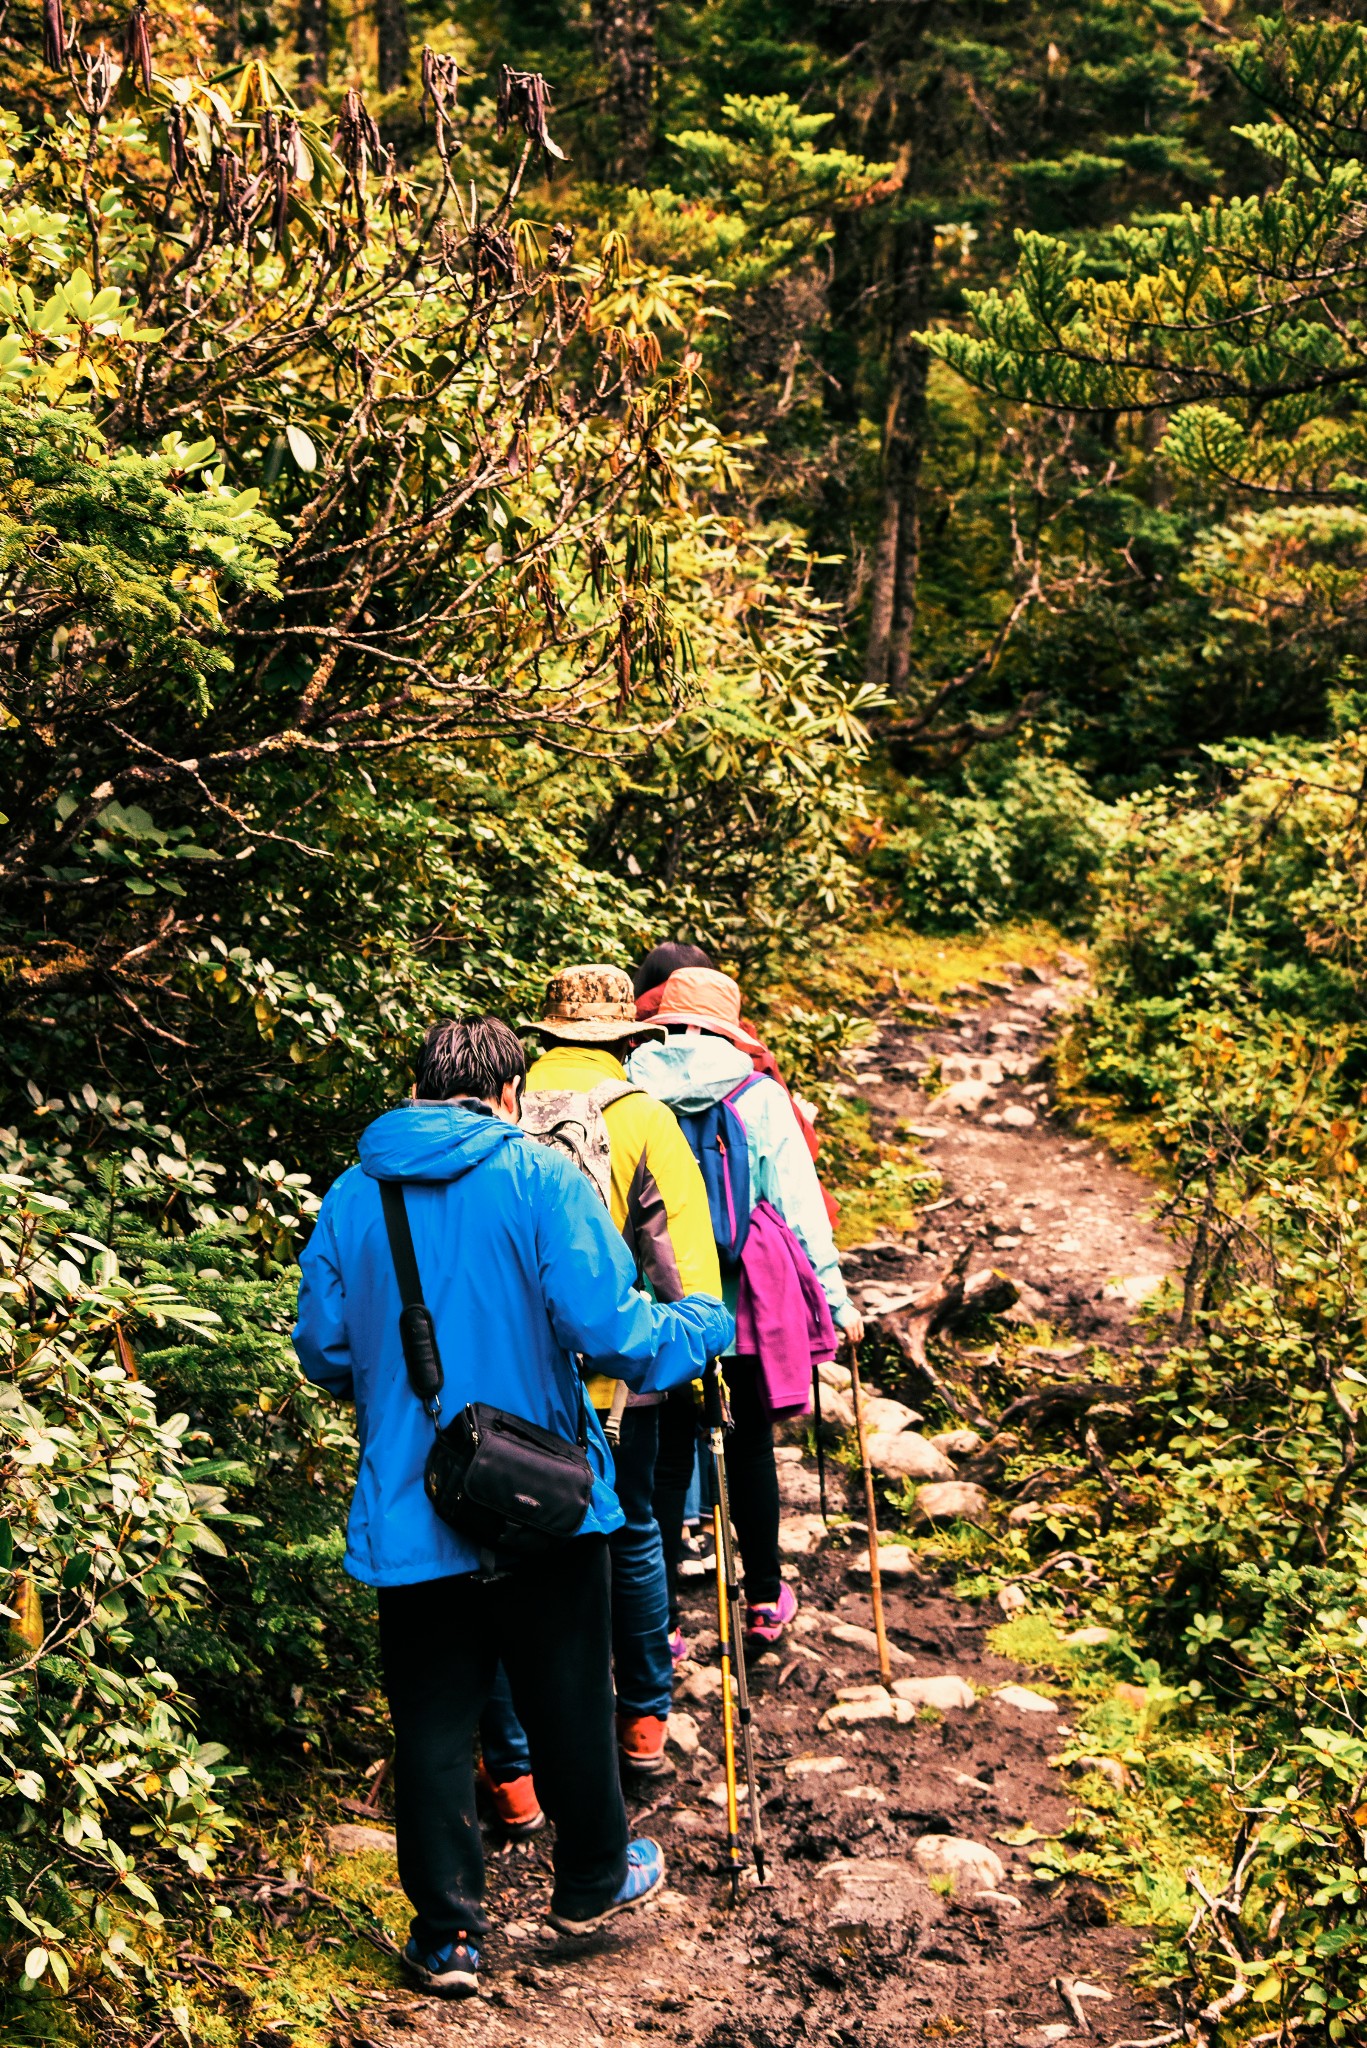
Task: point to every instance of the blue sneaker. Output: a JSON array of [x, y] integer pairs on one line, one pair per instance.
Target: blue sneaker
[[645, 1875], [450, 1972]]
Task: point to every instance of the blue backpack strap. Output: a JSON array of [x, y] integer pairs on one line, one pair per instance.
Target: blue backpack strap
[[742, 1086]]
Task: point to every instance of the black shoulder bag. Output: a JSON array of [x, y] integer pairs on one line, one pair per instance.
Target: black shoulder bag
[[513, 1490]]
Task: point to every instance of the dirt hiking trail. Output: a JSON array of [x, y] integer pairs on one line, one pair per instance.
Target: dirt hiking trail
[[900, 1909]]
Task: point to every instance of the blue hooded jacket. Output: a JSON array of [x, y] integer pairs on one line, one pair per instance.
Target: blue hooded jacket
[[521, 1268]]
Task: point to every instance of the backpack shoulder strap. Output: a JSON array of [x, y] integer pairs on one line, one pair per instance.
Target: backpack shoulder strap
[[742, 1087], [610, 1091], [400, 1233]]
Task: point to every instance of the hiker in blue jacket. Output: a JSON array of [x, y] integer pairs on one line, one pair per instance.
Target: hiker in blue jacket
[[523, 1272]]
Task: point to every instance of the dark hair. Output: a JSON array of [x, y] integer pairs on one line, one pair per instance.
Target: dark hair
[[660, 963], [468, 1056], [618, 1047]]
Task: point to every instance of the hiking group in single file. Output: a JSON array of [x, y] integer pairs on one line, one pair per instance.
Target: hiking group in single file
[[558, 1297]]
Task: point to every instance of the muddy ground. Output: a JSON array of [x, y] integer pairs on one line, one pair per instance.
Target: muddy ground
[[850, 1943]]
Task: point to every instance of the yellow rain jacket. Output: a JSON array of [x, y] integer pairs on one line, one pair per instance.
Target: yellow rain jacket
[[659, 1202]]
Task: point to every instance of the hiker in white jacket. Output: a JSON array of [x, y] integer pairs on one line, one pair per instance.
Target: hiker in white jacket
[[707, 1056]]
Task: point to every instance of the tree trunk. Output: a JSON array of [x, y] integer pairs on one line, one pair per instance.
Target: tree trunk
[[311, 42], [391, 18], [624, 42], [897, 558]]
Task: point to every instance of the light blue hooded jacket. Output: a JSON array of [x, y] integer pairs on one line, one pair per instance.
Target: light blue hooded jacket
[[693, 1071], [521, 1268]]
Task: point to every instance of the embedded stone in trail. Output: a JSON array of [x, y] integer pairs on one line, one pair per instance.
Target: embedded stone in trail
[[946, 1690], [865, 1639], [895, 1561], [874, 1892], [815, 1766], [953, 1500], [799, 1535], [797, 1487], [967, 1097], [970, 1866], [906, 1455], [864, 1703]]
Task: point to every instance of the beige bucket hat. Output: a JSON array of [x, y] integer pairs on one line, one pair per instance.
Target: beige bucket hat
[[593, 1006], [703, 999]]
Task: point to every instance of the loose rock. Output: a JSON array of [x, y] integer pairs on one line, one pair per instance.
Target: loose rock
[[865, 1639], [799, 1535], [815, 1766], [1018, 1117], [798, 1487], [873, 1704], [702, 1684], [1024, 1700], [958, 1443], [681, 1732], [952, 1500], [873, 1892], [350, 1838], [907, 1455], [1134, 1288], [895, 1561], [966, 1098], [888, 1418], [946, 1690], [972, 1866]]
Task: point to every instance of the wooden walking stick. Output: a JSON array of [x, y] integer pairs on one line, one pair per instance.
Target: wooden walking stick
[[871, 1514]]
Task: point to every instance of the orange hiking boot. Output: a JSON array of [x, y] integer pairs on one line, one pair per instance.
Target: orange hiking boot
[[516, 1804], [641, 1743]]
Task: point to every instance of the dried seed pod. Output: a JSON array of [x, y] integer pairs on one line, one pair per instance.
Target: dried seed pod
[[137, 46], [562, 246], [357, 141], [179, 154], [525, 96], [439, 79]]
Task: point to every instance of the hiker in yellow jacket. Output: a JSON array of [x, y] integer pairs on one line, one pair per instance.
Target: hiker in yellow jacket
[[631, 1145]]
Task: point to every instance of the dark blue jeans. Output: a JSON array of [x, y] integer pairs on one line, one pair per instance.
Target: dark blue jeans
[[502, 1739], [641, 1664]]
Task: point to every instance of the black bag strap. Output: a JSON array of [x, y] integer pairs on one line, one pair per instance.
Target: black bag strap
[[400, 1233]]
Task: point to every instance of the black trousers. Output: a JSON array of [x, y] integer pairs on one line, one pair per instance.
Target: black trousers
[[751, 1478], [440, 1643]]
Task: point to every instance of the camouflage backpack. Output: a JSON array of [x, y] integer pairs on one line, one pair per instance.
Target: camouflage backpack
[[571, 1120]]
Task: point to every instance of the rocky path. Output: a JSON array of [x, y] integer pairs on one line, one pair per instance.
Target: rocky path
[[903, 1905]]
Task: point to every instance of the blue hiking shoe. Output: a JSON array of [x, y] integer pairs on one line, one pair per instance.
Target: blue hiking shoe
[[645, 1875], [450, 1972]]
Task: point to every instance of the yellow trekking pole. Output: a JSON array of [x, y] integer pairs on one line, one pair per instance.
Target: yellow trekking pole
[[729, 1639], [871, 1515]]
